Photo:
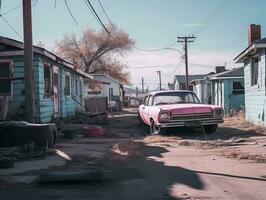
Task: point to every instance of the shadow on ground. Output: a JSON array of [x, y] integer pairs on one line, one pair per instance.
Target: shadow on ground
[[141, 178]]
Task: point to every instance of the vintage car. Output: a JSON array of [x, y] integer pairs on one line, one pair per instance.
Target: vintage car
[[168, 109]]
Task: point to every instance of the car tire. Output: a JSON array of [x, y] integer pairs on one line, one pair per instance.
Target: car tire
[[155, 130], [210, 128]]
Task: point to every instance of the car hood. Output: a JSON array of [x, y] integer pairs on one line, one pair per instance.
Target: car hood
[[188, 108]]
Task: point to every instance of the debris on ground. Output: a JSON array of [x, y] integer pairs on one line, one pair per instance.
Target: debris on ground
[[261, 158], [91, 118], [121, 153], [160, 139]]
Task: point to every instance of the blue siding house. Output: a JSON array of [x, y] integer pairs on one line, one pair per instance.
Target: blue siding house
[[254, 57], [227, 90], [58, 85]]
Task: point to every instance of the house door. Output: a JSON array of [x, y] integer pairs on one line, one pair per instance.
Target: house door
[[56, 91]]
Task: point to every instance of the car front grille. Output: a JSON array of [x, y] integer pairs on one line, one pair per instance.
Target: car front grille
[[192, 116]]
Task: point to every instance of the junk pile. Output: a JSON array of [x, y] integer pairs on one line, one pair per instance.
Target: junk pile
[[20, 140], [9, 155]]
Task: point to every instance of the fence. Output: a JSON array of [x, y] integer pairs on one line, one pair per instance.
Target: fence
[[96, 104]]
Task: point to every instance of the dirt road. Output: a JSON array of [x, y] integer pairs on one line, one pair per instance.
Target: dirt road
[[230, 164]]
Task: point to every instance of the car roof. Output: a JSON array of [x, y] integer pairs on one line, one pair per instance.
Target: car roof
[[168, 91]]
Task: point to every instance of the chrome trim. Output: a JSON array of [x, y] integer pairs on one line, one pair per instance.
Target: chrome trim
[[183, 123]]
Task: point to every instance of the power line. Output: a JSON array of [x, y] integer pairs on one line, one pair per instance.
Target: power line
[[214, 16], [152, 66], [104, 12], [66, 4], [159, 49], [11, 26], [95, 13], [17, 7]]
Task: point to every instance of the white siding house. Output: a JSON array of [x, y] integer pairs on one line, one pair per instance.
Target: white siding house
[[253, 58]]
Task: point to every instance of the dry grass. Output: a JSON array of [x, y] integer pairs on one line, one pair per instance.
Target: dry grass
[[160, 139], [238, 120], [261, 158]]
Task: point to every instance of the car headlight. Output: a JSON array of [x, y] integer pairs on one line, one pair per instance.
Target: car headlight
[[164, 116], [218, 113]]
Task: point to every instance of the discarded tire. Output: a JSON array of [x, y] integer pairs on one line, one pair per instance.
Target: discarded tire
[[6, 163], [20, 133]]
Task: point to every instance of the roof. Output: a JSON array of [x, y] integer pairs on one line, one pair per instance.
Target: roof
[[166, 91], [107, 76], [231, 74], [251, 50], [182, 78], [39, 50]]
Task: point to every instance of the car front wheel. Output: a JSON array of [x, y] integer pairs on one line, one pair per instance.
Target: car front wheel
[[155, 129], [210, 128]]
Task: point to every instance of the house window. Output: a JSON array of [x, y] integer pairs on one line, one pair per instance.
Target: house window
[[5, 78], [67, 84], [238, 87], [254, 70], [47, 79]]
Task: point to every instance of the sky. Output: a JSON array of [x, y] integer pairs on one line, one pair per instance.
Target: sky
[[219, 25]]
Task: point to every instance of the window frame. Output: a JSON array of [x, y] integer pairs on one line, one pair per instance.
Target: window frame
[[67, 74], [238, 91], [50, 93], [9, 78], [252, 82]]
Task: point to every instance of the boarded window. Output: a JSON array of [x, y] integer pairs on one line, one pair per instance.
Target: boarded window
[[238, 87], [5, 78], [67, 85], [254, 70], [47, 79]]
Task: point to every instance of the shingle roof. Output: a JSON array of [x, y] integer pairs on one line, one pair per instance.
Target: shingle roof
[[182, 78], [237, 72]]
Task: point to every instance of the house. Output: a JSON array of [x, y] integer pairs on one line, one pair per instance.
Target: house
[[112, 89], [202, 88], [58, 85], [227, 89], [253, 58], [179, 82]]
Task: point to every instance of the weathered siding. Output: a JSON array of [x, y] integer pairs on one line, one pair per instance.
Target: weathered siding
[[255, 95], [44, 104]]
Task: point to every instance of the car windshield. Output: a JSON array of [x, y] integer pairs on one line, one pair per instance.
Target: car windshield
[[175, 98]]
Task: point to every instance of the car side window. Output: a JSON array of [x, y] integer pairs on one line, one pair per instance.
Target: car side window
[[150, 101], [146, 100]]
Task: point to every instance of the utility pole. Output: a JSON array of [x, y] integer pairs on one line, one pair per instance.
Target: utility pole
[[160, 80], [28, 63], [186, 39], [137, 93], [142, 84]]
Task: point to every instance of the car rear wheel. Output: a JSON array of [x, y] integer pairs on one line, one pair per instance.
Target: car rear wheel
[[210, 128], [155, 129]]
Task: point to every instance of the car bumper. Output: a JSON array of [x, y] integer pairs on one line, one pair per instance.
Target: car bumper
[[189, 123]]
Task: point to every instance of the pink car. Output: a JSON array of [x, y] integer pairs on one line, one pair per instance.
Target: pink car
[[166, 109]]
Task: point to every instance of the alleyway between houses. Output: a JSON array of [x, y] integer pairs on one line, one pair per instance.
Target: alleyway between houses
[[229, 164]]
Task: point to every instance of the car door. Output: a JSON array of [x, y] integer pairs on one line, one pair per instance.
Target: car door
[[142, 107], [146, 111]]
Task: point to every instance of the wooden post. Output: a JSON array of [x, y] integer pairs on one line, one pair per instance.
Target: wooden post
[[28, 63]]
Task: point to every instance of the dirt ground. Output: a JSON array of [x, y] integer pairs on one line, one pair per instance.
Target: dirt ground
[[185, 164]]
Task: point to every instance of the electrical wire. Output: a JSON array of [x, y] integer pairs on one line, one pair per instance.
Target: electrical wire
[[74, 19], [159, 49], [97, 16], [17, 7], [104, 11], [11, 26], [214, 16]]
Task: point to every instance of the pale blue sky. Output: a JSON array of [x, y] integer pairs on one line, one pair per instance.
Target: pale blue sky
[[152, 24]]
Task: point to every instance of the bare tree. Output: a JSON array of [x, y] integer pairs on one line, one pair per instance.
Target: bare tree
[[97, 51]]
